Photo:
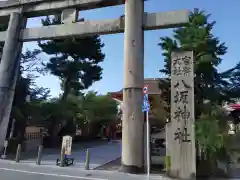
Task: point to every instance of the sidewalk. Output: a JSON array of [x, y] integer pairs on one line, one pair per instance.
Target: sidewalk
[[99, 155]]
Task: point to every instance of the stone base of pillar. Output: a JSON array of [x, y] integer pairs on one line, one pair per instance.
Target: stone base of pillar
[[131, 169], [175, 175]]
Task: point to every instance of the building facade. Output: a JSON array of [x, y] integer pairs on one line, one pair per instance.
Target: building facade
[[154, 94]]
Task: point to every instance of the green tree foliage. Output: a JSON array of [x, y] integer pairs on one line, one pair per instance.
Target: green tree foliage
[[159, 110], [96, 111], [213, 140], [74, 60], [88, 108], [212, 130], [210, 84], [98, 108], [25, 85]]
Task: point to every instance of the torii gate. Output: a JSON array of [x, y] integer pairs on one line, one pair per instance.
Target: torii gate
[[132, 24]]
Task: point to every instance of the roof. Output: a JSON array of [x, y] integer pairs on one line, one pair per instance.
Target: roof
[[232, 107], [152, 83]]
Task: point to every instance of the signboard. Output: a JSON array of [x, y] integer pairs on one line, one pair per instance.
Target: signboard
[[146, 108], [181, 137], [67, 144], [5, 143], [146, 105]]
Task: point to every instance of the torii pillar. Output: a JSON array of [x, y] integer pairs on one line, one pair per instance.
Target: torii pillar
[[132, 134], [9, 70]]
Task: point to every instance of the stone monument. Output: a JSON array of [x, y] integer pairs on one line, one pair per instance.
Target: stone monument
[[180, 132], [67, 144]]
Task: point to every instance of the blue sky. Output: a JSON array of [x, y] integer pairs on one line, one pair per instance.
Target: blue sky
[[227, 29]]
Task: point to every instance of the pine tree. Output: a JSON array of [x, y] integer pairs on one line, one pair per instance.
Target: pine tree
[[210, 84], [74, 60], [197, 36]]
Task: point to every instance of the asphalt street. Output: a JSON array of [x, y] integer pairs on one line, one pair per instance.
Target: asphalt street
[[11, 171]]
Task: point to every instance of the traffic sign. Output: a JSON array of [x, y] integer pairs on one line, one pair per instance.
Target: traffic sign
[[146, 105], [145, 89], [146, 109], [145, 97]]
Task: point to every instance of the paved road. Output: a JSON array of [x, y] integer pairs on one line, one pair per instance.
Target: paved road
[[12, 171], [99, 155]]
